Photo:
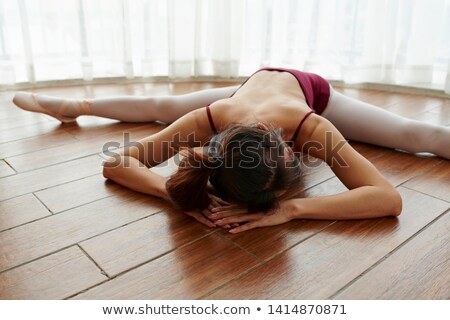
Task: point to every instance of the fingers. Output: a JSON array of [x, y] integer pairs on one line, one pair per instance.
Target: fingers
[[229, 211], [216, 202], [227, 207], [201, 218], [219, 201], [245, 227], [238, 219], [211, 206]]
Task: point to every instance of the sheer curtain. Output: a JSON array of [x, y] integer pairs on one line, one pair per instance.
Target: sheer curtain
[[386, 41]]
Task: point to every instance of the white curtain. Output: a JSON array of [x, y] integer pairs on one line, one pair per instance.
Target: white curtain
[[387, 41]]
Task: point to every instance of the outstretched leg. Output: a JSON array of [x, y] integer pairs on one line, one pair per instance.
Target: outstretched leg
[[124, 108], [361, 121]]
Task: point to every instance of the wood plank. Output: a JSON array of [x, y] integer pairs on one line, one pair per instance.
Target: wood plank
[[57, 276], [76, 193], [7, 108], [51, 156], [439, 115], [433, 118], [413, 107], [314, 171], [83, 128], [265, 243], [320, 266], [369, 151], [385, 99], [22, 120], [418, 270], [329, 187], [42, 237], [443, 109], [5, 169], [29, 131], [22, 183], [40, 142], [72, 194], [20, 210], [398, 167], [89, 127], [187, 273], [136, 243], [435, 182]]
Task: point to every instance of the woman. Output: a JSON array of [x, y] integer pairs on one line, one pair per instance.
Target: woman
[[251, 132]]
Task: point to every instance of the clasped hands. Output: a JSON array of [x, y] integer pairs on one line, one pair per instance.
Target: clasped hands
[[237, 218]]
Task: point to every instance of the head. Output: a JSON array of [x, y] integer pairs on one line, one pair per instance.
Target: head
[[248, 165]]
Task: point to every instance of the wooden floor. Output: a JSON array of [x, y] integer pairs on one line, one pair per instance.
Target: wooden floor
[[66, 233]]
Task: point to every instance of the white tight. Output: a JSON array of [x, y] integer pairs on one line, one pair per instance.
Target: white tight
[[356, 120], [163, 108], [361, 121]]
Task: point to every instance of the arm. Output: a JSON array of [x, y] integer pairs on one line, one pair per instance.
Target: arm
[[370, 195], [131, 173], [130, 166]]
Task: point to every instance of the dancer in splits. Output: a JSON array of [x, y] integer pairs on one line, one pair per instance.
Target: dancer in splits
[[239, 144]]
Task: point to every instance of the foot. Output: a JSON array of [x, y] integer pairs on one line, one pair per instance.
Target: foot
[[64, 110]]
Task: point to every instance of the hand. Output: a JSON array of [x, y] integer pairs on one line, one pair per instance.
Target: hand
[[233, 214], [204, 216]]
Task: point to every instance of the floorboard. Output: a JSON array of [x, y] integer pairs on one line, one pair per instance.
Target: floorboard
[[22, 183], [318, 267], [435, 182], [5, 169], [182, 274], [79, 149], [68, 233], [398, 167], [44, 236], [418, 270], [20, 210], [56, 276], [22, 120], [29, 145], [30, 131], [144, 240], [76, 193]]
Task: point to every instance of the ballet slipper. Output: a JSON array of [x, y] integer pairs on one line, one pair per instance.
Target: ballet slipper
[[28, 101]]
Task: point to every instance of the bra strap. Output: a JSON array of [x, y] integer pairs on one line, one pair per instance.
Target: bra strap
[[211, 122], [300, 125]]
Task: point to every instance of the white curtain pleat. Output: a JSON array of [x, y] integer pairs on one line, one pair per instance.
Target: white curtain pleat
[[86, 58], [388, 41], [26, 39], [127, 44]]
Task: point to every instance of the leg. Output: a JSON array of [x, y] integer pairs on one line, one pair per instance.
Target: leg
[[360, 121], [125, 108]]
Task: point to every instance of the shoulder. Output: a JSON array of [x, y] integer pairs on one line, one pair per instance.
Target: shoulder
[[187, 131], [321, 139], [311, 130]]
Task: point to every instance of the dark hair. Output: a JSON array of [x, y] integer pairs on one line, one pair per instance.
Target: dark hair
[[245, 164]]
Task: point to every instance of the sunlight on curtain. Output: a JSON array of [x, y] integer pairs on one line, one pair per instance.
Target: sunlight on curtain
[[387, 41]]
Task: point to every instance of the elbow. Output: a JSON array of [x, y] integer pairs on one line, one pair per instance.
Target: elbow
[[109, 167], [107, 172], [396, 203]]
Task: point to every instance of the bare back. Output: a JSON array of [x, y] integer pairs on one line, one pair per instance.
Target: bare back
[[268, 96]]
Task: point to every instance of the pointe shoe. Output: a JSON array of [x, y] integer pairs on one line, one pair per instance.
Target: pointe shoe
[[28, 101]]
